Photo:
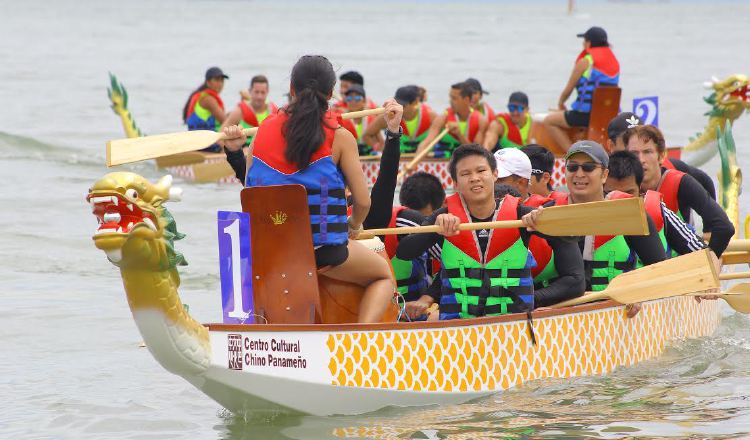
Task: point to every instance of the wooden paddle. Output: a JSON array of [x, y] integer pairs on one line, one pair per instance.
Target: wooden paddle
[[742, 245], [738, 297], [734, 276], [693, 272], [418, 158], [737, 257], [622, 217], [148, 147]]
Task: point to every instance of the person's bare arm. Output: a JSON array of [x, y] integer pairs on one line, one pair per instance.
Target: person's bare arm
[[581, 66], [346, 155], [233, 118], [209, 103], [479, 138], [372, 135], [494, 132], [435, 129]]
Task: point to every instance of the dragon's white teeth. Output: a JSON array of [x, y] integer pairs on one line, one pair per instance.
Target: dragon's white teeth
[[119, 229], [104, 199], [149, 223], [130, 207], [105, 230], [114, 255], [112, 217], [130, 226]]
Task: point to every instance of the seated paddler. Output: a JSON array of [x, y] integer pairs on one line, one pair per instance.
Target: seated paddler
[[511, 129], [415, 124], [486, 272], [204, 109], [355, 101], [305, 144]]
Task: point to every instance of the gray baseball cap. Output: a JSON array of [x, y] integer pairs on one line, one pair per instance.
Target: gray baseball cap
[[592, 149]]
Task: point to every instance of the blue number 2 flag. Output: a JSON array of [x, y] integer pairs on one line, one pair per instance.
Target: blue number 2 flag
[[235, 267], [647, 110]]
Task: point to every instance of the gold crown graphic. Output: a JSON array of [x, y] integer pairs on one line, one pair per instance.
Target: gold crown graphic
[[278, 218]]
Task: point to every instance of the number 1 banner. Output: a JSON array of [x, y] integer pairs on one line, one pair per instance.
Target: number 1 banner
[[235, 267]]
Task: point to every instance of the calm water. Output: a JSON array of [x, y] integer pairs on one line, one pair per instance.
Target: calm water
[[71, 367]]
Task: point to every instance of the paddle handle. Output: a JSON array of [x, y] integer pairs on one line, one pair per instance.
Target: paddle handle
[[507, 224], [738, 246], [586, 298], [418, 158], [734, 276], [247, 132], [363, 113]]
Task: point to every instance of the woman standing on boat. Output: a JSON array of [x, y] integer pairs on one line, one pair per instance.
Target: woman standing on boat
[[305, 144]]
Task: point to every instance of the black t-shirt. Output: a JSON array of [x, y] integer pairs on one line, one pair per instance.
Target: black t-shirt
[[697, 174]]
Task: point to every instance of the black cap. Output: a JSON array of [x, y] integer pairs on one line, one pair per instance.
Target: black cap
[[518, 98], [353, 77], [596, 36], [407, 94], [215, 72], [356, 88], [620, 123], [592, 149], [476, 85]]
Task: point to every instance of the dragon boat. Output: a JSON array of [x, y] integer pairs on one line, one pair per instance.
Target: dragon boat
[[729, 99], [294, 348]]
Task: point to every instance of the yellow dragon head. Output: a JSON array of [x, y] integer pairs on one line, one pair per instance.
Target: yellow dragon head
[[135, 229], [730, 97]]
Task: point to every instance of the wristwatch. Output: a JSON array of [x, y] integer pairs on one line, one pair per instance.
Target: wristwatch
[[390, 135]]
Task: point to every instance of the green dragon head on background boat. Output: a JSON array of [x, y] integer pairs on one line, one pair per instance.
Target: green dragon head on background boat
[[729, 99], [135, 229]]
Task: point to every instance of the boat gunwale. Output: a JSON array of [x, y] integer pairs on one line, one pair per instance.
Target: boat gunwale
[[415, 325]]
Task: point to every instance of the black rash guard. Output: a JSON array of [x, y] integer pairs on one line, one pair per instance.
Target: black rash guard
[[697, 174], [237, 161], [384, 189], [569, 264], [691, 195]]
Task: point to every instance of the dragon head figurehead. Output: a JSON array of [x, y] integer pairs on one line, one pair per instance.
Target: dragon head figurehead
[[730, 96], [135, 229]]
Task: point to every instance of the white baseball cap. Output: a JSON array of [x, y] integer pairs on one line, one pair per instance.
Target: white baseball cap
[[512, 161]]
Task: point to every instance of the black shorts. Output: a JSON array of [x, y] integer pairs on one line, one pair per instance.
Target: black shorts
[[575, 118], [331, 255]]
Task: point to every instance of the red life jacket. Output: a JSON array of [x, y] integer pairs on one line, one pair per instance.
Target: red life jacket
[[500, 239], [668, 164], [513, 134], [424, 122], [489, 114], [473, 122], [391, 242], [197, 96], [248, 115], [599, 240], [270, 144], [349, 125], [669, 186], [604, 60], [538, 246], [652, 203]]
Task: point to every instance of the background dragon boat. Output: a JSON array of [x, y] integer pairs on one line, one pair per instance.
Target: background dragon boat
[[327, 366], [729, 100]]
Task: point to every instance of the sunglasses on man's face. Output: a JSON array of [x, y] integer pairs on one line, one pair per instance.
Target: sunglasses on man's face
[[354, 98], [587, 167], [516, 108]]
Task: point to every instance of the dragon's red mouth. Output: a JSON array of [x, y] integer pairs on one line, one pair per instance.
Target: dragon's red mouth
[[741, 93], [118, 215]]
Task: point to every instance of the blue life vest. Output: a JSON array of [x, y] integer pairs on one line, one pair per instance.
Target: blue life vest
[[604, 71]]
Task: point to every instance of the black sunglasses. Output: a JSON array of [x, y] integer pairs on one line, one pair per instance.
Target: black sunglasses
[[587, 167]]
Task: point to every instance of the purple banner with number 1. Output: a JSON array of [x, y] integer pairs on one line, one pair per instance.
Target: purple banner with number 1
[[235, 267]]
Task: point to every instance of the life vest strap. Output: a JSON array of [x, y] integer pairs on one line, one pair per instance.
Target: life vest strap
[[330, 210], [491, 273], [330, 228]]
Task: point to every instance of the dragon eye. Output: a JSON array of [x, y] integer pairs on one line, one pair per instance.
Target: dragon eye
[[133, 194]]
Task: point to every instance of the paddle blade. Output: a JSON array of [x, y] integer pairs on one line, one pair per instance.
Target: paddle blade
[[148, 147], [738, 297], [687, 273], [609, 217]]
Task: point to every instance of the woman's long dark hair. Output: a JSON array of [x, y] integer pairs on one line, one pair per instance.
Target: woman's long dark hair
[[185, 109], [312, 80]]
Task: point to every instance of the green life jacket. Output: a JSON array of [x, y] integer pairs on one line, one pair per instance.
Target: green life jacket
[[610, 255], [469, 128], [415, 129], [510, 141], [412, 276], [496, 283]]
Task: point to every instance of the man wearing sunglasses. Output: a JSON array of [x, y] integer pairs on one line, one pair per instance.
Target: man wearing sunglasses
[[415, 124], [356, 100], [512, 129], [605, 257], [682, 193]]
